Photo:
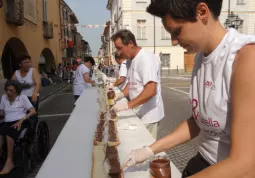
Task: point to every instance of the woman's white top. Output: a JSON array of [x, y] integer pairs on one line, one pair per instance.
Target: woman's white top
[[28, 79], [210, 95], [16, 110]]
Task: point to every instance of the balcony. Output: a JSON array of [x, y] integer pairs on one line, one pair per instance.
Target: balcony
[[47, 30], [14, 12]]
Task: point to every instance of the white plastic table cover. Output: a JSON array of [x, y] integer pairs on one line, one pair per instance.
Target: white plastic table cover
[[71, 155]]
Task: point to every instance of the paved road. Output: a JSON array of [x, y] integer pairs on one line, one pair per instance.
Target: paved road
[[176, 101], [55, 110]]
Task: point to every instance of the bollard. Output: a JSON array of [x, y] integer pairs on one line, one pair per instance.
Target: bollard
[[177, 70]]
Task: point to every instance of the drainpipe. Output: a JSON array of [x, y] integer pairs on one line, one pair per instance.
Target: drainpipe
[[60, 20], [228, 7]]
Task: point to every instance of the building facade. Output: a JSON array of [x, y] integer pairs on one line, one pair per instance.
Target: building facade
[[149, 31], [68, 33], [106, 47], [29, 26], [245, 9]]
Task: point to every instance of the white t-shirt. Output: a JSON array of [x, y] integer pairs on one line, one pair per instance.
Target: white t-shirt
[[79, 83], [145, 67], [210, 95], [123, 73], [17, 110]]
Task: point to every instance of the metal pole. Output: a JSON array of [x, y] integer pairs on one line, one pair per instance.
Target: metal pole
[[228, 6], [154, 34]]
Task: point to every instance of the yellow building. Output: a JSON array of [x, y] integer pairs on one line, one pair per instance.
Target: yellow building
[[31, 26]]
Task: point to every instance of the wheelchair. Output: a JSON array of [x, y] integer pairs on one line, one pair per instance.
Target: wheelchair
[[30, 148]]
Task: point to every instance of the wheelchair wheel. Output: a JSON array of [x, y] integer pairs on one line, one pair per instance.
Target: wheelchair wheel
[[40, 147]]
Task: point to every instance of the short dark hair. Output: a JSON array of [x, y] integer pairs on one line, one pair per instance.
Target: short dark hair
[[125, 35], [118, 56], [15, 84], [90, 59], [23, 56], [183, 9]]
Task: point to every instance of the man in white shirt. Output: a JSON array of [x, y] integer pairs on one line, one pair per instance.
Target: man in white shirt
[[122, 72], [143, 87], [82, 78]]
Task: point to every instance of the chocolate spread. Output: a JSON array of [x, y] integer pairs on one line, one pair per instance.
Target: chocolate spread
[[113, 159], [112, 134], [160, 168], [100, 131], [113, 114]]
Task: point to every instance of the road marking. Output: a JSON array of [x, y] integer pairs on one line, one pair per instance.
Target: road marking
[[64, 94], [177, 90], [54, 115]]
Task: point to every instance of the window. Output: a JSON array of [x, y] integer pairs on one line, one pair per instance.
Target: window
[[240, 2], [165, 59], [164, 34], [44, 3], [66, 16], [141, 29]]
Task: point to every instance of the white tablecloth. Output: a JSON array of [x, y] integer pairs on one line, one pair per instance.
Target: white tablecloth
[[71, 156]]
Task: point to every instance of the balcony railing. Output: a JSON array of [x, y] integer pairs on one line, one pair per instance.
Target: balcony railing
[[47, 30], [14, 12]]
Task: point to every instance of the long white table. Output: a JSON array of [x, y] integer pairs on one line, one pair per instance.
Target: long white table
[[71, 156]]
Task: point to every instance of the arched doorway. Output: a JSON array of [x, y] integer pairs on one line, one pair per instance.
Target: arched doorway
[[9, 59], [46, 61]]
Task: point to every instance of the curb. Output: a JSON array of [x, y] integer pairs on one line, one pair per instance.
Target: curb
[[51, 93]]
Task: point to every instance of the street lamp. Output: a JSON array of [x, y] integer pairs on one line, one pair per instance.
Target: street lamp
[[233, 21]]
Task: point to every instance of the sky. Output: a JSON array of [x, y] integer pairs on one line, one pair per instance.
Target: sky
[[91, 12]]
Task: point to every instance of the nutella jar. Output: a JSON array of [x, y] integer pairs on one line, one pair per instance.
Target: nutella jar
[[111, 96], [160, 167]]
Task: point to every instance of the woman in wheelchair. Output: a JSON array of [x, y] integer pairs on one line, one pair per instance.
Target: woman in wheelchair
[[15, 108]]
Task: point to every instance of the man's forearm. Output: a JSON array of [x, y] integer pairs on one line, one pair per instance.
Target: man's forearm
[[125, 90], [119, 82], [186, 131], [139, 100]]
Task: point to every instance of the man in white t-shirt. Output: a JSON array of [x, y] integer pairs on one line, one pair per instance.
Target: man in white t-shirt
[[82, 78], [122, 72], [143, 87]]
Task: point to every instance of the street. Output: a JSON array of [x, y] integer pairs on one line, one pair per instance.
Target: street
[[56, 109], [175, 92]]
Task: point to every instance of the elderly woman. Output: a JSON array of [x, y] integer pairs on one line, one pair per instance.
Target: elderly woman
[[16, 108]]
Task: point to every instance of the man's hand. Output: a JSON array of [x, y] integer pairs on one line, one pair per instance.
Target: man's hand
[[137, 156], [120, 106], [34, 97], [18, 124], [93, 83], [118, 96]]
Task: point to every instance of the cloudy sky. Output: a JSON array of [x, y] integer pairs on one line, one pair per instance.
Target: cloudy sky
[[90, 12]]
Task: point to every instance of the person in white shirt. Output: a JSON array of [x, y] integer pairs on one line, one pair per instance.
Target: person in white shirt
[[122, 72], [82, 78], [143, 89], [13, 108], [221, 93]]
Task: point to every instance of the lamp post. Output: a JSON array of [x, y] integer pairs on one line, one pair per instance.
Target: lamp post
[[233, 21]]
